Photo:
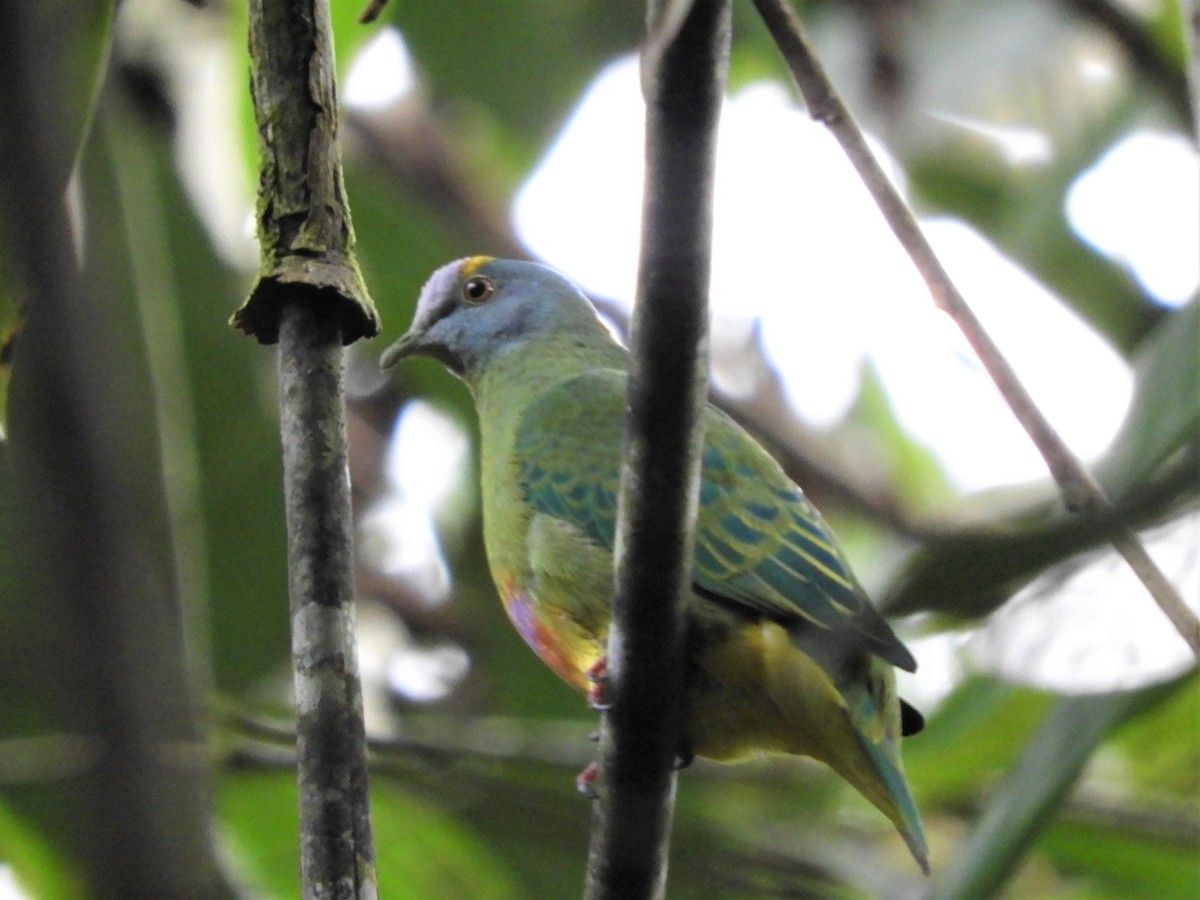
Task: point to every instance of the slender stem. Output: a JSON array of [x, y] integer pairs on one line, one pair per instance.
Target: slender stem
[[640, 736], [1080, 491], [1190, 12]]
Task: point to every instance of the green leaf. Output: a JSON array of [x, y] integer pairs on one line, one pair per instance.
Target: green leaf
[[1023, 806], [515, 67], [1118, 862], [83, 34], [992, 718], [39, 868], [1161, 748], [1164, 414], [420, 851]]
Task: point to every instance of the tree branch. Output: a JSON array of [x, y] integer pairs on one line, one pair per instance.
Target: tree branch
[[304, 230], [311, 298], [1080, 491], [684, 79]]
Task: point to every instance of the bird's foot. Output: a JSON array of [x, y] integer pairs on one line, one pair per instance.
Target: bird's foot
[[597, 692], [585, 781]]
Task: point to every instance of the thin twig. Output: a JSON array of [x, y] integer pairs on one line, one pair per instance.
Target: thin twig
[[1080, 491], [1189, 10], [660, 474], [371, 11]]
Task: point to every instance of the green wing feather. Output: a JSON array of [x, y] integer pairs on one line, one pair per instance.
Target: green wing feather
[[759, 543]]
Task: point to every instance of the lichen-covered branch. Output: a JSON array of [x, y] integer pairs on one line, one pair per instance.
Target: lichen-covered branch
[[311, 299], [337, 856], [684, 82], [1080, 491], [304, 230]]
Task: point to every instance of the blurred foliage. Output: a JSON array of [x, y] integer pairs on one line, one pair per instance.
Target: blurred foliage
[[1006, 775]]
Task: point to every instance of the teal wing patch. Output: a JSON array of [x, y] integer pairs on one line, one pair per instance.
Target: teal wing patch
[[759, 543], [568, 452]]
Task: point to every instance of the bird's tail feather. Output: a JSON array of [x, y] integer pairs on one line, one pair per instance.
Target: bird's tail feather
[[901, 809]]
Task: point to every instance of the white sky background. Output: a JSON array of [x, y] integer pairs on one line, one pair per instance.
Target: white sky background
[[800, 248]]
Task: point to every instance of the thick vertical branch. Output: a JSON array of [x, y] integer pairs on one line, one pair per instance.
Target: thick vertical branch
[[684, 78], [336, 849], [311, 298], [1079, 490]]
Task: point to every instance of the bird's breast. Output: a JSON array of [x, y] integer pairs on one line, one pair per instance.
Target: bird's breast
[[556, 641]]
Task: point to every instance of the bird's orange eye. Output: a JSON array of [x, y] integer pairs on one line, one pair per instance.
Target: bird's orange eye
[[478, 290]]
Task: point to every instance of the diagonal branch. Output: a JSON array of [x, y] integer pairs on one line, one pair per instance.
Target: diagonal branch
[[685, 80], [1080, 491]]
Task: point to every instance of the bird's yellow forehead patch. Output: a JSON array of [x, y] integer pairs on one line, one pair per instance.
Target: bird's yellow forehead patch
[[472, 263]]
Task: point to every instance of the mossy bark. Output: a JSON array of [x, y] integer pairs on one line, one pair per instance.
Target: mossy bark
[[305, 234]]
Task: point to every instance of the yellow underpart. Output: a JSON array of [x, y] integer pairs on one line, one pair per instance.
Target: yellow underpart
[[472, 263], [758, 692]]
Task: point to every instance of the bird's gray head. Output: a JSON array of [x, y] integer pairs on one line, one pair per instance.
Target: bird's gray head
[[472, 309]]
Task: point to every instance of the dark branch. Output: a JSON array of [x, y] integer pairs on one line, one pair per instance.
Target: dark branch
[[684, 81]]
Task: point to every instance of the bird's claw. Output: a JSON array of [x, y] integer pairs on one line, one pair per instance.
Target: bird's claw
[[585, 781], [597, 692]]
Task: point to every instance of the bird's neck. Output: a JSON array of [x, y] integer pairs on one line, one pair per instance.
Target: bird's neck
[[521, 372]]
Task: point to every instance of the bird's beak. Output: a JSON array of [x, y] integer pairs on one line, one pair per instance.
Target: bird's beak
[[405, 346]]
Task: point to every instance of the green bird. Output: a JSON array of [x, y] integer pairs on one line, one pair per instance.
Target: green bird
[[785, 652]]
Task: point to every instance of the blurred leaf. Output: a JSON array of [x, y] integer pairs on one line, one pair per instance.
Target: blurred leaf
[[1117, 862], [420, 851], [515, 67], [1022, 212], [85, 31], [39, 869], [1162, 746], [971, 739], [225, 384], [1023, 805], [913, 469], [1164, 414]]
